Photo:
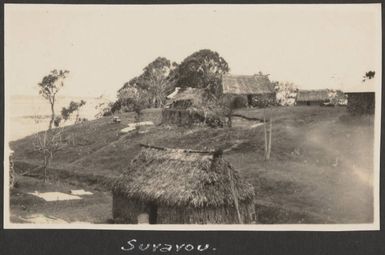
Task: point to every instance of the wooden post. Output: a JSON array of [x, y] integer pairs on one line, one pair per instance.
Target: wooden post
[[269, 143], [235, 196], [264, 129]]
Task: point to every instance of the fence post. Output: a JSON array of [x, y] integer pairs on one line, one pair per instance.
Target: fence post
[[265, 133], [270, 134]]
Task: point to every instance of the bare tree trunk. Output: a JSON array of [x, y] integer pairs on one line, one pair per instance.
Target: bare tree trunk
[[46, 161], [77, 117], [52, 102]]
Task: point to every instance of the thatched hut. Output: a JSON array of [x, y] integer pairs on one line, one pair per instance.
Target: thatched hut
[[191, 106], [177, 186], [312, 97], [361, 98], [361, 102], [254, 90]]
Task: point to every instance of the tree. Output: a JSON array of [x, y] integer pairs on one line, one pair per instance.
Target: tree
[[137, 99], [73, 107], [157, 80], [49, 87], [47, 143], [285, 93], [369, 75], [203, 69]]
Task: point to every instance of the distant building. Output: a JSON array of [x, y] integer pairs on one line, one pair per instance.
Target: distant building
[[361, 102], [191, 106], [256, 90], [312, 97], [361, 98], [178, 186]]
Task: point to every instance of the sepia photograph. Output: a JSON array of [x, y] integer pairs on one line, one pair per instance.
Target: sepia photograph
[[192, 117]]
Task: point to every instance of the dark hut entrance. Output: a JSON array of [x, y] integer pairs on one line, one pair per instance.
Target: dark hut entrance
[[149, 215], [153, 211], [249, 100]]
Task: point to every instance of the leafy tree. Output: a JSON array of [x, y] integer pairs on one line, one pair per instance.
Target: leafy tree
[[116, 106], [369, 75], [73, 107], [49, 87], [156, 81], [285, 93], [203, 69]]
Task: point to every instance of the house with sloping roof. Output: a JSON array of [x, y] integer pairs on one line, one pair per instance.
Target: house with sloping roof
[[255, 89], [181, 186], [312, 97], [361, 98], [192, 106]]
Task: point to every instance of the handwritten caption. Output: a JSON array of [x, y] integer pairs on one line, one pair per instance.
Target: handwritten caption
[[133, 246]]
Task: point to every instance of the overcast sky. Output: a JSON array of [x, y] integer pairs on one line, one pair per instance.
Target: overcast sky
[[314, 46]]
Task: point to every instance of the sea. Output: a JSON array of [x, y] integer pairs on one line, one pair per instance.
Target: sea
[[29, 114]]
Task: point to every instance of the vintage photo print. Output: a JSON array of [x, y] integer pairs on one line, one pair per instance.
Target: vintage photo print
[[193, 117]]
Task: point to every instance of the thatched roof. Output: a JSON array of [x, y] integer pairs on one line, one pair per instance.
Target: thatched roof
[[196, 95], [313, 95], [177, 177], [246, 85]]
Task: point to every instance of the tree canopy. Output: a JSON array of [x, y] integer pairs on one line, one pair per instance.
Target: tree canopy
[[154, 83], [50, 86], [203, 69], [73, 107], [369, 75]]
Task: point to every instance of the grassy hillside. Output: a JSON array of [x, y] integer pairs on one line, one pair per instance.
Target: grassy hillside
[[318, 155]]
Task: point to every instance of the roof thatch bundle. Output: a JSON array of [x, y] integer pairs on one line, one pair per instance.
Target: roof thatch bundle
[[247, 85], [313, 95], [182, 178]]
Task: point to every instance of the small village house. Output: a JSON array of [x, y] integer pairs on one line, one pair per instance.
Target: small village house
[[177, 186], [361, 98], [312, 97], [190, 106], [254, 90]]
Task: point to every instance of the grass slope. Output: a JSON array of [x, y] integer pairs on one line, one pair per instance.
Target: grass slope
[[318, 155]]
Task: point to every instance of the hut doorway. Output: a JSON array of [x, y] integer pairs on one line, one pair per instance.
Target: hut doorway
[[153, 213], [249, 100]]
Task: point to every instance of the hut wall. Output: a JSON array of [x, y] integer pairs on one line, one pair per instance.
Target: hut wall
[[126, 211], [181, 117], [189, 215], [314, 102], [361, 103], [263, 100], [243, 101], [237, 101], [188, 118]]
